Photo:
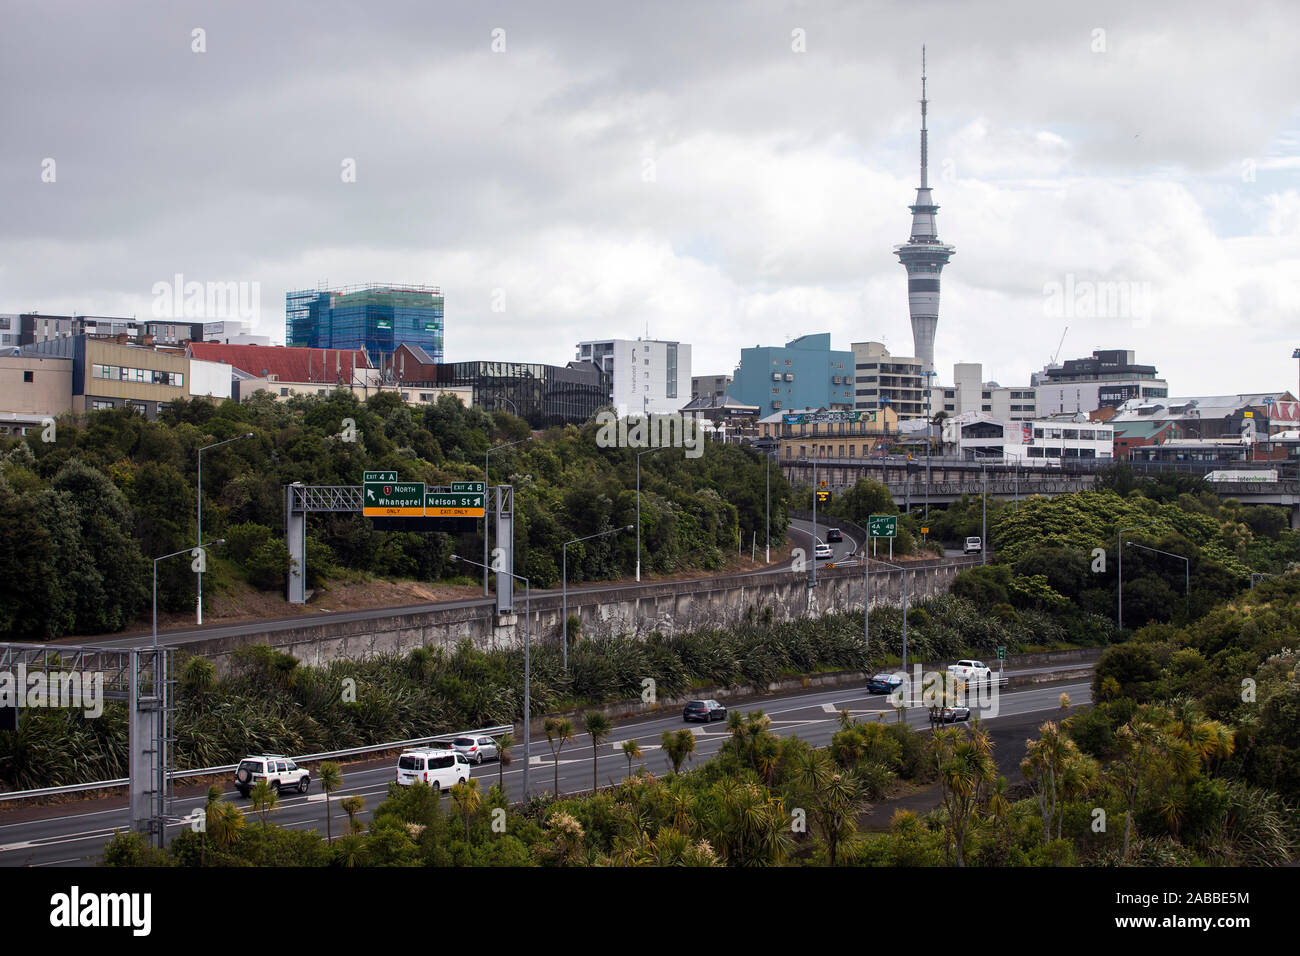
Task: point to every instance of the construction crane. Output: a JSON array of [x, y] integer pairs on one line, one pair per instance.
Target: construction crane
[[1058, 346]]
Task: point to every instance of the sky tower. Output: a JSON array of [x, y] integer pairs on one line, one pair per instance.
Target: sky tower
[[923, 255]]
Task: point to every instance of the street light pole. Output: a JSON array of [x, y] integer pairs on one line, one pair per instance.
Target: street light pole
[[1119, 552], [486, 492], [155, 580], [864, 606], [528, 659], [648, 451], [199, 602], [767, 540], [984, 521], [1187, 574], [565, 587], [929, 440]]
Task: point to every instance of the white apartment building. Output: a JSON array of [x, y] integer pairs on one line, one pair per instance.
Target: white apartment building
[[1033, 443], [969, 393], [230, 332], [647, 376]]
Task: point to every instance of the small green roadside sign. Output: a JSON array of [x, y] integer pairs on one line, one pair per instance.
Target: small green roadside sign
[[882, 526], [1002, 652]]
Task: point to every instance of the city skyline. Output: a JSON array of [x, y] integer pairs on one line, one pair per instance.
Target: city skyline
[[742, 191]]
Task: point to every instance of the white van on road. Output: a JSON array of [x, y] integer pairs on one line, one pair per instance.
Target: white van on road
[[438, 768]]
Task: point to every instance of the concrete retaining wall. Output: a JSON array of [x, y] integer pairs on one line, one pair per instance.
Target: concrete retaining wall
[[666, 607]]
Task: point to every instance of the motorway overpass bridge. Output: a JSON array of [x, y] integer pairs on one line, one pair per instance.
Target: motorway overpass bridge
[[950, 479]]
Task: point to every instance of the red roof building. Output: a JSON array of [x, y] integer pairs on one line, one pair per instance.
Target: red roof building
[[285, 363]]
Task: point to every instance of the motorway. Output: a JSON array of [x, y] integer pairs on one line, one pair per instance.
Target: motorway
[[74, 834]]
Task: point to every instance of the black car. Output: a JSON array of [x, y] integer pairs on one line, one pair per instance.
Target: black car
[[705, 710], [884, 683], [834, 534]]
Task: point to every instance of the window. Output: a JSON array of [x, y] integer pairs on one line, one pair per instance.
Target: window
[[283, 391], [99, 406], [1035, 452], [1072, 434], [27, 376]]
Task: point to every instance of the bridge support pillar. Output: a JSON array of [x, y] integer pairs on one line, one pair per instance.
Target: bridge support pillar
[[295, 533]]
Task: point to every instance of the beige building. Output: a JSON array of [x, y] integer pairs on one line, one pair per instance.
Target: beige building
[[884, 381], [367, 384], [142, 379], [853, 433], [33, 388]]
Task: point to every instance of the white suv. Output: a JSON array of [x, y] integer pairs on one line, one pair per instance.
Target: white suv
[[437, 768], [970, 671], [276, 769]]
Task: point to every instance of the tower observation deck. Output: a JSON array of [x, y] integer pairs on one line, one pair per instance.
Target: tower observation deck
[[923, 255]]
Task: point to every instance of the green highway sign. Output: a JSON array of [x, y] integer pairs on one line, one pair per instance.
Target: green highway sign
[[439, 503], [882, 526], [474, 487], [1002, 652], [392, 499], [389, 476]]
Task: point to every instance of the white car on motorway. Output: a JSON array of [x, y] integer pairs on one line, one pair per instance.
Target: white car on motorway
[[440, 769], [276, 769], [969, 671], [824, 552]]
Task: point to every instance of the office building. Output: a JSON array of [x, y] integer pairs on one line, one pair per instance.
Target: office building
[[1035, 443], [804, 373], [709, 386], [882, 380], [542, 395], [969, 393], [373, 318], [1106, 379], [108, 373], [646, 376]]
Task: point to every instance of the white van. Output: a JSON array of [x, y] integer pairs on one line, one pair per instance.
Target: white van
[[438, 768], [974, 545]]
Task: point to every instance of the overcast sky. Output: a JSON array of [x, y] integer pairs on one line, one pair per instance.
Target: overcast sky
[[725, 174]]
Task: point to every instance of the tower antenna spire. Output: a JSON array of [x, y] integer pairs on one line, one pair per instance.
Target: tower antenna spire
[[925, 164]]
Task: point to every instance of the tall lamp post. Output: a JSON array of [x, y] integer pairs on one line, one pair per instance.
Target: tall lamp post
[[929, 439], [767, 485], [648, 451], [866, 577], [199, 603], [1119, 552], [1187, 574], [528, 658], [155, 580], [486, 492], [565, 587], [984, 519]]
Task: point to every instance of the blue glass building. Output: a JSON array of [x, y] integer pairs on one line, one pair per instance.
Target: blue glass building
[[377, 318], [805, 373]]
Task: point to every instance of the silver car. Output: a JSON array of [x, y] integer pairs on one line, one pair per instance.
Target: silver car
[[476, 748]]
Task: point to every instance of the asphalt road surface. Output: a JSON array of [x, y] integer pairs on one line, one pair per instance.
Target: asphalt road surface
[[74, 834]]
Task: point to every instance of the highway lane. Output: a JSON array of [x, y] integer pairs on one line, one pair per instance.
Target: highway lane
[[74, 834]]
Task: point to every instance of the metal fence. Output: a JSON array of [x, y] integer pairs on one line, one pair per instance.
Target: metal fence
[[230, 768]]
